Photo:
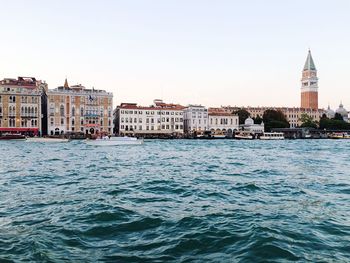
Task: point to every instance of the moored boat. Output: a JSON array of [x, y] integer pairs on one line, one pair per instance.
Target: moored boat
[[272, 136], [339, 135], [47, 139], [13, 136], [114, 141]]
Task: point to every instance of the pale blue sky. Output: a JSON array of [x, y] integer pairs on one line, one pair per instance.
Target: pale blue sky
[[186, 51]]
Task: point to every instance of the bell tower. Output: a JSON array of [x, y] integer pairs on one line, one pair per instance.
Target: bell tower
[[309, 85]]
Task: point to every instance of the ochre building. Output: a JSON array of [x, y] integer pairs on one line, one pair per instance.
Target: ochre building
[[76, 109], [21, 103]]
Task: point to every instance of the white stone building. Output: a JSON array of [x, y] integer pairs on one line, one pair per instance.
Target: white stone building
[[221, 122], [253, 128], [195, 119], [159, 119]]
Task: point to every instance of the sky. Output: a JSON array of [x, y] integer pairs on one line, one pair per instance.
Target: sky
[[243, 53]]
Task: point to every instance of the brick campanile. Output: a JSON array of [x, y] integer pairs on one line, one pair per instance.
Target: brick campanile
[[309, 85]]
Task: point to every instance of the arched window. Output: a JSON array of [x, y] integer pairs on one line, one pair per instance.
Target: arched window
[[25, 110], [73, 122], [81, 111], [22, 111], [36, 111], [73, 111], [62, 110]]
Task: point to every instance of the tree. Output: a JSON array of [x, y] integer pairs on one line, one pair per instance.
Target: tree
[[258, 120], [338, 117], [274, 119], [333, 124], [307, 121], [242, 115]]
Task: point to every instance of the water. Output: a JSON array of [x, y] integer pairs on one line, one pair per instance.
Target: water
[[177, 201]]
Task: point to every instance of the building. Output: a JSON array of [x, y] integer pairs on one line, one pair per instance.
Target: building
[[158, 120], [221, 122], [195, 119], [309, 85], [21, 103], [252, 127], [78, 109], [343, 112]]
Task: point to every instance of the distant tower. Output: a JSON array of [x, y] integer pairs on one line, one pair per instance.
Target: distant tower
[[309, 85], [66, 86]]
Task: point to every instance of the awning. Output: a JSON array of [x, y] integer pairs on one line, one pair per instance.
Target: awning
[[17, 129]]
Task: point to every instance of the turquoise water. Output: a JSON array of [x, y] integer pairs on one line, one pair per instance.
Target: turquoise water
[[176, 201]]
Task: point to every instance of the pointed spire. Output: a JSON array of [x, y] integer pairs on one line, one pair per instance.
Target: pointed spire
[[309, 64], [66, 86]]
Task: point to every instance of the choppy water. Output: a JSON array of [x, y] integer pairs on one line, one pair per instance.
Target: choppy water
[[177, 201]]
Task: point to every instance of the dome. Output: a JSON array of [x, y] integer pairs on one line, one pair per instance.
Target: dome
[[330, 113], [249, 121], [342, 111]]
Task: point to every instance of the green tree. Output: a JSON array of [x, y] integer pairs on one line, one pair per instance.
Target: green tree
[[242, 115], [338, 117], [333, 124], [258, 120], [274, 119], [307, 121]]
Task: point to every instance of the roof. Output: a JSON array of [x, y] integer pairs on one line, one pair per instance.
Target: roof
[[309, 63], [158, 106], [220, 114]]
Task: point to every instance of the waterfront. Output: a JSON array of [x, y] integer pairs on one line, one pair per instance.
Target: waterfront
[[176, 200]]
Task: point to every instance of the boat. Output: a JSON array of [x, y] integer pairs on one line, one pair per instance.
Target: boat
[[13, 136], [219, 136], [244, 136], [47, 139], [114, 141], [339, 135], [272, 136]]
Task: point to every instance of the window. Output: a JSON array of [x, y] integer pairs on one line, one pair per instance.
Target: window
[[12, 100], [140, 120], [51, 121], [73, 110], [81, 111], [62, 121], [73, 122], [12, 123], [122, 119], [81, 121], [62, 110]]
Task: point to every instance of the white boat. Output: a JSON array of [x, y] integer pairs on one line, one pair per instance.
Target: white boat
[[114, 141], [272, 136], [46, 139], [244, 136]]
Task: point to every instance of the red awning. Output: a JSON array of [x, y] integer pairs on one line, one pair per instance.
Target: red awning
[[15, 129]]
